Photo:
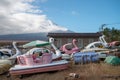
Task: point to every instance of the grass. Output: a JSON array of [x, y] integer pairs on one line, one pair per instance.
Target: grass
[[91, 71]]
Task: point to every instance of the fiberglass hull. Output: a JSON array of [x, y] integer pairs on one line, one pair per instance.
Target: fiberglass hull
[[55, 65]]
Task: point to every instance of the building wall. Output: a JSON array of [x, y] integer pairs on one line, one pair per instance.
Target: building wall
[[82, 38], [82, 42]]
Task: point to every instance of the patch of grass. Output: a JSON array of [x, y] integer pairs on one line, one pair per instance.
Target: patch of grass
[[91, 71]]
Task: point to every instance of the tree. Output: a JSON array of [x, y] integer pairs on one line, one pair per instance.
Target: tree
[[112, 34]]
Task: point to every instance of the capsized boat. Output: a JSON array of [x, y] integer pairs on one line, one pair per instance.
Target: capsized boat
[[85, 57]]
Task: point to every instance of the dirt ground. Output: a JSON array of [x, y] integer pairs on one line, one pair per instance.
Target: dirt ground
[[90, 71]]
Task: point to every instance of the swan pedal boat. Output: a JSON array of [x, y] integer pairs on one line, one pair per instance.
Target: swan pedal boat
[[7, 54], [53, 66], [48, 61]]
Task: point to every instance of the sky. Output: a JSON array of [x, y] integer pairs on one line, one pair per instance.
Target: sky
[[83, 15], [31, 16]]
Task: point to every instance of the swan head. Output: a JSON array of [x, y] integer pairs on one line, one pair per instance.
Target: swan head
[[51, 40], [14, 42], [103, 36], [74, 40]]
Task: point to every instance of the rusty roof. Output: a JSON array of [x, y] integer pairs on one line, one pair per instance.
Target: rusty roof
[[75, 35]]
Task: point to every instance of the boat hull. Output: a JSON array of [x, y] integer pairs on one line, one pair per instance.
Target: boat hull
[[85, 57], [58, 65]]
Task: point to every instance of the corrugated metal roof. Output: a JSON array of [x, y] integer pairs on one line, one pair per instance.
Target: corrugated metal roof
[[83, 35]]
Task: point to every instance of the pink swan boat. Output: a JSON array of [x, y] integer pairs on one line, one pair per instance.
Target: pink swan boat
[[44, 61], [73, 50]]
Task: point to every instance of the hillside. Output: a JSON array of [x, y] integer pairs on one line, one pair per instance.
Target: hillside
[[29, 36]]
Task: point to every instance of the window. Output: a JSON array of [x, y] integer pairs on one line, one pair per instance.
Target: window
[[99, 45], [80, 43], [59, 42], [69, 40], [91, 40]]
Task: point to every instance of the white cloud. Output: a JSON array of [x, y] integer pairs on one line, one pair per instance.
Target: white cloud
[[19, 16]]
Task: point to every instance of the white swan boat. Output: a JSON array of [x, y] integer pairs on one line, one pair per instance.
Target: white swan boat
[[8, 53], [7, 58]]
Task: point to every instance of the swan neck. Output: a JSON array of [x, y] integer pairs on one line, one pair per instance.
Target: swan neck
[[14, 45], [74, 44], [54, 46]]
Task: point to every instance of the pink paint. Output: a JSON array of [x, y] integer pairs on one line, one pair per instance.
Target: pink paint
[[114, 43], [73, 50], [31, 60]]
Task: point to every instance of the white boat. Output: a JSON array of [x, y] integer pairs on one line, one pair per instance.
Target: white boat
[[8, 53], [95, 50], [98, 44], [7, 58]]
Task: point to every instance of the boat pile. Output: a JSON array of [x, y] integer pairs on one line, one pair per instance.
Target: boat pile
[[37, 60]]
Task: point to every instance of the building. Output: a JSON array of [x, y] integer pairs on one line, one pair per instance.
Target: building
[[82, 38]]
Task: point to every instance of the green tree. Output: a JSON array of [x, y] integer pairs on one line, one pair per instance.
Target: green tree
[[112, 34]]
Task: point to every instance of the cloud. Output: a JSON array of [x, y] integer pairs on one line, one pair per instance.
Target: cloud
[[19, 16]]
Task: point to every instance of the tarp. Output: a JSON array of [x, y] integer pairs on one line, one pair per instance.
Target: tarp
[[36, 43], [113, 60]]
